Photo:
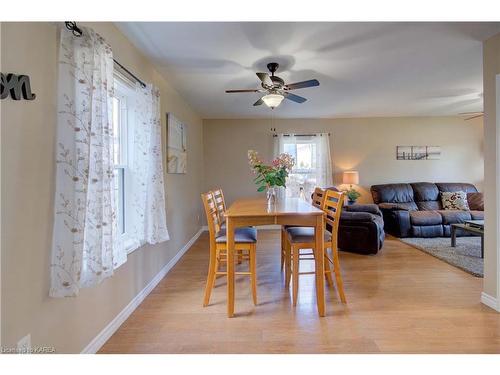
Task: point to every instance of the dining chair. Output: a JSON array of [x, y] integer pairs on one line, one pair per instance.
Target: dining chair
[[317, 201], [244, 239], [220, 203], [298, 238]]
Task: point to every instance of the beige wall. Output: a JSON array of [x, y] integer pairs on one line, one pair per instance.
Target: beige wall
[[365, 144], [491, 68], [27, 157]]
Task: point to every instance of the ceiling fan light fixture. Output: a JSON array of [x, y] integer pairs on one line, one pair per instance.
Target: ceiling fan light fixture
[[273, 100]]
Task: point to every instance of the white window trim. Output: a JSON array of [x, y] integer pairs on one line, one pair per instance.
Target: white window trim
[[125, 91]]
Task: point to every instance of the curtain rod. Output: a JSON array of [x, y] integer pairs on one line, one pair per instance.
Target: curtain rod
[[299, 135], [71, 26]]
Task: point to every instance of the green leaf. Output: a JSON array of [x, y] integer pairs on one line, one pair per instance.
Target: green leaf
[[262, 188]]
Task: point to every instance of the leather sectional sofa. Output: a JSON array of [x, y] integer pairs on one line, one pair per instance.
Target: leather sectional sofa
[[415, 209]]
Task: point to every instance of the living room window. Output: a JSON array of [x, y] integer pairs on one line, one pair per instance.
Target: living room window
[[123, 121], [312, 168]]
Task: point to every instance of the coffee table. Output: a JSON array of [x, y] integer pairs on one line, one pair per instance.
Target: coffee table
[[471, 226]]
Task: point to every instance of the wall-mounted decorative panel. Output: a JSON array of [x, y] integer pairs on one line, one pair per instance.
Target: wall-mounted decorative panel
[[418, 152], [177, 149]]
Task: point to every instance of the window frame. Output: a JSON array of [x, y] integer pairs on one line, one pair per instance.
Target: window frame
[[125, 92], [313, 157]]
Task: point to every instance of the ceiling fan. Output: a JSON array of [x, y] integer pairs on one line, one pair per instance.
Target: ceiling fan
[[275, 88], [471, 115]]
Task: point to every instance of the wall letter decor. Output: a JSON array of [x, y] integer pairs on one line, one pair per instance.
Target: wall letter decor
[[17, 86]]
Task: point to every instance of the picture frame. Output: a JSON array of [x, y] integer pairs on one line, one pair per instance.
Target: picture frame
[[176, 145], [418, 152]]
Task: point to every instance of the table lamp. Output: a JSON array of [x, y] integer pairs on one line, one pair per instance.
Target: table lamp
[[351, 178]]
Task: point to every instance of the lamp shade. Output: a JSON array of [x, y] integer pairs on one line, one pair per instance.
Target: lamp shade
[[273, 100], [350, 177]]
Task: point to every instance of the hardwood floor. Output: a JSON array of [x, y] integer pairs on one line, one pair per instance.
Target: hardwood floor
[[399, 301]]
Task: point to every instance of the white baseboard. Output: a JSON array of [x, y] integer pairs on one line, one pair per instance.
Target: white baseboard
[[490, 301], [113, 326]]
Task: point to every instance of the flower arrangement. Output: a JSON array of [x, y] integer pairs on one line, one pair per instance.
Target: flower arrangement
[[270, 176]]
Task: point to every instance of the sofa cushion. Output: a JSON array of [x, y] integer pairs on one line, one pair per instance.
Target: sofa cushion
[[453, 186], [476, 201], [454, 216], [427, 231], [425, 191], [454, 200], [242, 235], [422, 218], [476, 215], [429, 205], [392, 193], [409, 206]]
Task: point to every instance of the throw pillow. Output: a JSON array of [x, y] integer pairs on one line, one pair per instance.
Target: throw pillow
[[475, 201], [456, 200]]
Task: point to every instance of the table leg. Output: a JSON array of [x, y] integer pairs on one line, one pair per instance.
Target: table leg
[[453, 236], [319, 257], [482, 246], [230, 266]]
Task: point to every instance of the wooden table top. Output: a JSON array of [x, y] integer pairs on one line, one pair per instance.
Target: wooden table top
[[258, 207]]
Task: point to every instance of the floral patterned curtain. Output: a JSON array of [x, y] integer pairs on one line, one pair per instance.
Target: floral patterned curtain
[[85, 227], [148, 191]]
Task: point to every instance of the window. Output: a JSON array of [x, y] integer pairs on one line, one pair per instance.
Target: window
[[123, 118], [312, 162]]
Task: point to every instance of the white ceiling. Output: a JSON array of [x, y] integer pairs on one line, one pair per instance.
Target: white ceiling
[[364, 69]]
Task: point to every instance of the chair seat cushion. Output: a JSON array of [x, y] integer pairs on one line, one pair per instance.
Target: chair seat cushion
[[241, 235], [422, 218], [304, 234]]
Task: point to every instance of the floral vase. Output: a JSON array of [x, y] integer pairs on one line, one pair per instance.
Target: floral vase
[[271, 195]]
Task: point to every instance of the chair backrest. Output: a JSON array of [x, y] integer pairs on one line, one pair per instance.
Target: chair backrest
[[213, 221], [318, 198], [332, 205], [220, 204]]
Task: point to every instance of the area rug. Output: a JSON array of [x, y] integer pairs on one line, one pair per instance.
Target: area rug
[[466, 255]]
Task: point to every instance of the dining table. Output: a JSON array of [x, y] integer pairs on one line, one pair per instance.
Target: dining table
[[284, 211]]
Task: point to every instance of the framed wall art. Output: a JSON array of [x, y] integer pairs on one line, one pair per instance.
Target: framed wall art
[[176, 145], [418, 152]]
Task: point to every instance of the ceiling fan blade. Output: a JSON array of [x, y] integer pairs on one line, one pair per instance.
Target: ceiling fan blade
[[258, 102], [302, 85], [294, 98], [249, 90], [476, 116], [264, 77], [471, 113]]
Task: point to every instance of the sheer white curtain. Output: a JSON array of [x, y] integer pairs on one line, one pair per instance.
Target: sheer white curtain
[[313, 164], [148, 192], [85, 226], [86, 246]]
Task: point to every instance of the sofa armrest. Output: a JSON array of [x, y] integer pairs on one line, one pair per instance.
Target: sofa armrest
[[369, 208], [356, 216]]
